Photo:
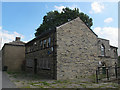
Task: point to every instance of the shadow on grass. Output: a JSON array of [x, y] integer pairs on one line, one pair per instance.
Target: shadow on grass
[[25, 75]]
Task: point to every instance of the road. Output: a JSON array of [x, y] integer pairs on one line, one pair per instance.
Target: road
[[6, 82]]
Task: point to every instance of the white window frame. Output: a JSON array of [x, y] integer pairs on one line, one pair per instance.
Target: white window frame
[[102, 50]]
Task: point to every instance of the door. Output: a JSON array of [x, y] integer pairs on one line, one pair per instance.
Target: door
[[35, 66]]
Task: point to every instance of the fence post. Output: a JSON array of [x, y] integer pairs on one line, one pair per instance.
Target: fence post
[[97, 76], [118, 68], [116, 74], [107, 73]]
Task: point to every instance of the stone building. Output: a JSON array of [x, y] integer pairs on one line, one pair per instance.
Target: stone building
[[71, 51], [13, 55]]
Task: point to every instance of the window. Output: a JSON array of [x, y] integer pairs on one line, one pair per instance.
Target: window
[[52, 49], [44, 43], [49, 42], [41, 44], [28, 49], [69, 19], [45, 64], [102, 50], [115, 53]]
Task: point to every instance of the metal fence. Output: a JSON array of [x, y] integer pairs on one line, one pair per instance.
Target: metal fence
[[104, 74]]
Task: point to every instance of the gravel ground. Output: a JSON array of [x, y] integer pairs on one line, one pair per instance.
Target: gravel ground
[[23, 80]]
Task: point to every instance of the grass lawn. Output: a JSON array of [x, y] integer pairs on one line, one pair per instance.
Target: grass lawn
[[25, 80]]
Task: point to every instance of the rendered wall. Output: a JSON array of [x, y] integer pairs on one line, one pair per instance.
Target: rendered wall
[[13, 57]]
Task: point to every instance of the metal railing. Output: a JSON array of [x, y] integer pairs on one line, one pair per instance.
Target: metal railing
[[108, 73]]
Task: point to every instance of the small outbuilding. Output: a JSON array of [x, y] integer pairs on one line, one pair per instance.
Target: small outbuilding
[[13, 55]]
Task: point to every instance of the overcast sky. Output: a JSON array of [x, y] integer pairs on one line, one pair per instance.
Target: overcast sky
[[22, 18]]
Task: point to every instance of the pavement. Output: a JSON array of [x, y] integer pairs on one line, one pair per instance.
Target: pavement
[[6, 82]]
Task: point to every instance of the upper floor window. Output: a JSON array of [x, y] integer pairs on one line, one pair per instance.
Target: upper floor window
[[26, 49], [102, 50], [52, 49], [115, 53], [44, 43], [41, 44], [31, 49], [49, 41]]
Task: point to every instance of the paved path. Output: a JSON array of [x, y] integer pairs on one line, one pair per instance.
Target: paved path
[[0, 80], [6, 82]]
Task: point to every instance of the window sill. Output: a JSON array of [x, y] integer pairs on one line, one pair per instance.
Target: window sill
[[45, 68], [29, 67], [104, 56]]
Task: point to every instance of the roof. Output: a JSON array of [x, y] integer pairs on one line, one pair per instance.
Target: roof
[[42, 35], [108, 40], [113, 47], [50, 31], [103, 39], [15, 43]]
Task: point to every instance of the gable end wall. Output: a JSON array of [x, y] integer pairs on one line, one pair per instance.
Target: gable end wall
[[76, 50]]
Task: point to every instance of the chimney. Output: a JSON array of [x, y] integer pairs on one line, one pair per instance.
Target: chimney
[[17, 39]]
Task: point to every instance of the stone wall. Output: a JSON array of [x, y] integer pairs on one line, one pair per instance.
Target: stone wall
[[76, 50], [106, 45], [13, 57], [113, 53], [110, 56]]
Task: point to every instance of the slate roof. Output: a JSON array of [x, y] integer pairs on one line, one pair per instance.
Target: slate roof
[[113, 47], [15, 43]]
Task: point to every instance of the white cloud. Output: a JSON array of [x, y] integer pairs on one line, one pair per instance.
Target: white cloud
[[59, 8], [110, 33], [108, 20], [96, 7], [6, 36]]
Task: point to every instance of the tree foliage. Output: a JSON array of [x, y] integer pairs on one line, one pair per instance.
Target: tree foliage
[[54, 19]]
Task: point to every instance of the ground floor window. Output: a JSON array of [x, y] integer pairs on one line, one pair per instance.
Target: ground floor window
[[44, 63]]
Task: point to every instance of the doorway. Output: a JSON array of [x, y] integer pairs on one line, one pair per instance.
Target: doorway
[[35, 66], [103, 68]]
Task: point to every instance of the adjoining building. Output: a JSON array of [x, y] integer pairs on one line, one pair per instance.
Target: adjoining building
[[71, 51], [13, 55]]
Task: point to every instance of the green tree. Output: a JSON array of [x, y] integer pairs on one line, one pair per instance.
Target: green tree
[[54, 19]]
